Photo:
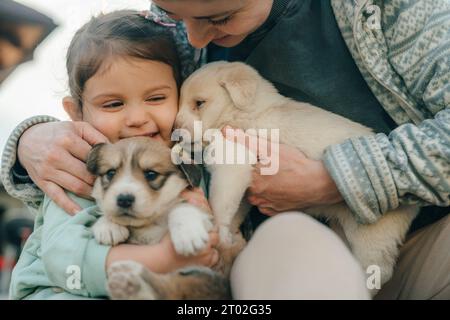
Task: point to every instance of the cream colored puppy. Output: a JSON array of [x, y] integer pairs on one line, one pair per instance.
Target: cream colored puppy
[[235, 94]]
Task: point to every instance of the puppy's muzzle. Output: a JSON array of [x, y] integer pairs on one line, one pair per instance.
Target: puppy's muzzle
[[125, 201]]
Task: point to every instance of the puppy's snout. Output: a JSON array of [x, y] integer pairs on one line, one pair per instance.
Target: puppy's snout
[[125, 201]]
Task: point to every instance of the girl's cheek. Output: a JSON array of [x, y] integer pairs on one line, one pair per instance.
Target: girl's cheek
[[169, 119], [109, 126]]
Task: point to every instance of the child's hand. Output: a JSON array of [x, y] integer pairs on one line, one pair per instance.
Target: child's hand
[[196, 197], [162, 257], [172, 260]]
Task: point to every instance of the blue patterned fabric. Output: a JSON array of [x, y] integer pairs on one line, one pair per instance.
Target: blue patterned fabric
[[402, 48]]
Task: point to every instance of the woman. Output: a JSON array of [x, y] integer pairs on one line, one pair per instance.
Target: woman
[[385, 64]]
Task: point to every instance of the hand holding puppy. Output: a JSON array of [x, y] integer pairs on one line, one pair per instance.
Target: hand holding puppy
[[171, 260], [299, 183], [162, 257], [53, 154]]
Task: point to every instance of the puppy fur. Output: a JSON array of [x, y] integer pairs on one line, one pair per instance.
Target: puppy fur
[[235, 94], [138, 191]]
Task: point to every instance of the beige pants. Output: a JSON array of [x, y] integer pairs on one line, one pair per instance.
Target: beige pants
[[292, 256]]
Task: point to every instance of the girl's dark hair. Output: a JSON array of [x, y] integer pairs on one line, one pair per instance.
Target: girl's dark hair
[[122, 33]]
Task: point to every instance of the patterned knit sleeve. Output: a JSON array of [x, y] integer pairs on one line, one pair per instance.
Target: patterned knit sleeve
[[412, 164], [16, 183]]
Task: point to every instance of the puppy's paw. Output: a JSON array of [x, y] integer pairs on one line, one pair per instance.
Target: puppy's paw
[[109, 233], [126, 282], [189, 227]]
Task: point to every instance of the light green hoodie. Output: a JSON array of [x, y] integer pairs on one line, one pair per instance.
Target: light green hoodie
[[62, 253], [61, 259]]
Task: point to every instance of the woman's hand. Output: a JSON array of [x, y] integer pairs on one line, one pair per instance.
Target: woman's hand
[[54, 156], [162, 257], [299, 183], [171, 260]]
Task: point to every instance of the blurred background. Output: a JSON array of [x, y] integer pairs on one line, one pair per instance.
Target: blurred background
[[34, 37]]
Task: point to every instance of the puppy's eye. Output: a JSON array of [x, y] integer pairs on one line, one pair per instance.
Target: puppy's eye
[[199, 103], [151, 175], [110, 174]]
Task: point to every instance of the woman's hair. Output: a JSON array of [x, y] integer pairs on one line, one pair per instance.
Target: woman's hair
[[121, 33]]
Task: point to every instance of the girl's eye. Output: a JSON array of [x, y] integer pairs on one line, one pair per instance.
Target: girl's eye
[[151, 175], [114, 104], [220, 22], [156, 98], [199, 103], [110, 174]]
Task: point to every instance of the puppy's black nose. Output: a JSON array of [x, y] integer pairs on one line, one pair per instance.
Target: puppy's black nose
[[125, 200]]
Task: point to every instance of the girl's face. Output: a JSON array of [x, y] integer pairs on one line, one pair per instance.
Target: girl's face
[[226, 23], [129, 97]]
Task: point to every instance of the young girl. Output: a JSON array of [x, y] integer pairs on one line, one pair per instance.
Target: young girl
[[124, 77]]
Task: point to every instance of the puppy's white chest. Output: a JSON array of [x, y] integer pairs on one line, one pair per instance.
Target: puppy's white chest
[[148, 235]]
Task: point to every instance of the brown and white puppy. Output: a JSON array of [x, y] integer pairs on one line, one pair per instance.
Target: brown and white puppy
[[138, 193], [235, 94]]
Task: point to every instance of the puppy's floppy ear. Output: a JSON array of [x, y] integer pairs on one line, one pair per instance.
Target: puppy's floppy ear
[[94, 157], [241, 83], [193, 173]]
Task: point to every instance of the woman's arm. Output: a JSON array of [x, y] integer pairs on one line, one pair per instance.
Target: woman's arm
[[16, 182], [410, 166], [374, 174]]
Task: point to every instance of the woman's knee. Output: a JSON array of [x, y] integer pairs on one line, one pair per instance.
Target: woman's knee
[[293, 256], [293, 228]]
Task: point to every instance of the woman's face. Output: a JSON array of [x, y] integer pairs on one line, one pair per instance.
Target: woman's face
[[130, 97], [226, 23]]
